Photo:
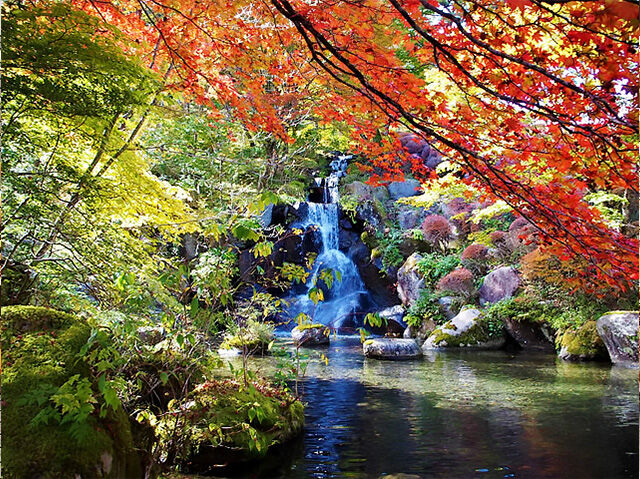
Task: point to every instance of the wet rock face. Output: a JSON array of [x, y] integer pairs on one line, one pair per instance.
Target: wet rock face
[[380, 286], [391, 349], [619, 332], [410, 282], [529, 335], [463, 331], [500, 284]]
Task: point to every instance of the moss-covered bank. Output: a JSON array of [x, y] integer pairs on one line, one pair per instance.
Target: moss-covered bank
[[41, 350]]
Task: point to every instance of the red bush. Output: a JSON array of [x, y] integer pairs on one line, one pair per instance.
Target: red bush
[[475, 252], [458, 281], [436, 229], [498, 237]]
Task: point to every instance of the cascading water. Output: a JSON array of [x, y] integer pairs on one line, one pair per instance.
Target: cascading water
[[346, 297]]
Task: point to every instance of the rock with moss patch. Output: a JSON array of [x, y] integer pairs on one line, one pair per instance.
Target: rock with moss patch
[[582, 344], [225, 423], [391, 348], [619, 332], [41, 353], [465, 330], [310, 335], [410, 281]]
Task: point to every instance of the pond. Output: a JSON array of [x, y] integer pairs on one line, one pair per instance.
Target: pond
[[462, 414]]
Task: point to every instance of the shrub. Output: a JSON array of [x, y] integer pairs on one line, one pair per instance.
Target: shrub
[[475, 258], [498, 238], [459, 281], [460, 212], [437, 230], [425, 308], [255, 335], [433, 266], [475, 252]]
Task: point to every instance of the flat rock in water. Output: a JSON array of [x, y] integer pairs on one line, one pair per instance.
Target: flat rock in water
[[391, 348]]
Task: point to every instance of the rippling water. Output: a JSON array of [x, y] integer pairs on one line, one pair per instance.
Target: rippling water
[[461, 415]]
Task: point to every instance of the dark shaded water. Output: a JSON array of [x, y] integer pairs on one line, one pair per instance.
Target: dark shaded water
[[462, 415]]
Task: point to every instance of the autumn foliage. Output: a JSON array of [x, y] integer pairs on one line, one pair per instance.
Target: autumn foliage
[[536, 101], [459, 281]]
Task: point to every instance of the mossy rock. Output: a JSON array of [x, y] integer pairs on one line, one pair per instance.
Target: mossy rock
[[465, 330], [224, 422], [40, 350], [583, 344]]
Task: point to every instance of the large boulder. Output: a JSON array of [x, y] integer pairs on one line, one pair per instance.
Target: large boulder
[[408, 217], [359, 189], [530, 335], [403, 189], [381, 193], [582, 344], [310, 335], [391, 348], [500, 284], [465, 330], [410, 282], [619, 332]]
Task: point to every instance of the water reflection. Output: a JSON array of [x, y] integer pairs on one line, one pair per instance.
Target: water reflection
[[464, 414]]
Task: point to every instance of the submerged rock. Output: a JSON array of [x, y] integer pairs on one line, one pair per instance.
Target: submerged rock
[[410, 282], [582, 344], [310, 335], [463, 331], [619, 332], [391, 348], [500, 284]]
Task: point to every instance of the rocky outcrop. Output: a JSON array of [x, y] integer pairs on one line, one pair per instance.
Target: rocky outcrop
[[619, 332], [391, 348], [380, 285], [465, 330], [582, 344], [410, 282], [530, 335], [403, 189], [500, 284], [310, 335]]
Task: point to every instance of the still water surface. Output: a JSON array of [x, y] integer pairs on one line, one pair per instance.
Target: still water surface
[[461, 414]]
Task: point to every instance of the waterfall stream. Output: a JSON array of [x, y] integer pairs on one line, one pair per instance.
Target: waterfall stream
[[347, 296]]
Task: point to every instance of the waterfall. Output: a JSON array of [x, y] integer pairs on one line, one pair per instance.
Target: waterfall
[[347, 295]]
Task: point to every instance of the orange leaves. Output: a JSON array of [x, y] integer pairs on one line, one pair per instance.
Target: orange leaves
[[527, 99]]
